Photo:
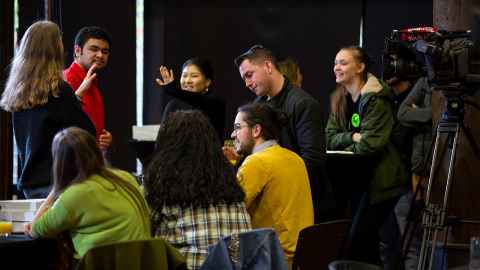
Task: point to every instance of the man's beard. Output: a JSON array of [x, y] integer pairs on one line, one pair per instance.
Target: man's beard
[[246, 148]]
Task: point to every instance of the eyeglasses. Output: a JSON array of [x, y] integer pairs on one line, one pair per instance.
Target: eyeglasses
[[238, 126]]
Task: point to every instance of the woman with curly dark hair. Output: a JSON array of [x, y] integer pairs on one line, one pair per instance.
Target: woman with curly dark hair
[[191, 187]]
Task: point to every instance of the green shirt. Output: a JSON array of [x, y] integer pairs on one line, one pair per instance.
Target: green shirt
[[96, 212], [389, 177]]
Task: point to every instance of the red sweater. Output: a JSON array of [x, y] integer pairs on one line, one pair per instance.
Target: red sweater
[[92, 101]]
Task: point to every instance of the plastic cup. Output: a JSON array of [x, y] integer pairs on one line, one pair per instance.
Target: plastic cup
[[6, 224]]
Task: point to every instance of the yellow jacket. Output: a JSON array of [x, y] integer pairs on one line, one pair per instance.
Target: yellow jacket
[[278, 195]]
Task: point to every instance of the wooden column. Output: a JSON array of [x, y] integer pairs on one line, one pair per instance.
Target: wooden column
[[465, 189], [452, 14], [6, 52], [53, 11], [48, 9]]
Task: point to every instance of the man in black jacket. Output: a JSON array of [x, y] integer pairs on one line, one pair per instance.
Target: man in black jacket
[[304, 134]]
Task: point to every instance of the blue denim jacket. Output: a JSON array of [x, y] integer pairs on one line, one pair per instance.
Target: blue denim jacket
[[258, 249]]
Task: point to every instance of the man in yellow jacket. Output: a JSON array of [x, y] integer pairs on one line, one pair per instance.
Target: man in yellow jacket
[[274, 179]]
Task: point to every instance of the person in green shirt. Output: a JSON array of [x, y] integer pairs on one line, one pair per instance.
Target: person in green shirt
[[96, 205], [361, 121]]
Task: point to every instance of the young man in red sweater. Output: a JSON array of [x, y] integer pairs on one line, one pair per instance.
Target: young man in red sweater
[[91, 52]]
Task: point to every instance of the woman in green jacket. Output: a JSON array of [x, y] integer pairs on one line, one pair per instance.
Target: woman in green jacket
[[361, 121], [94, 204]]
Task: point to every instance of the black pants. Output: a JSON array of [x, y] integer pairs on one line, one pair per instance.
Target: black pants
[[322, 194], [364, 238]]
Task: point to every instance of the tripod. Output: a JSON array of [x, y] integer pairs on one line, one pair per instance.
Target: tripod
[[434, 217]]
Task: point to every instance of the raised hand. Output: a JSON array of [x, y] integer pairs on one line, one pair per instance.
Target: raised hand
[[167, 76], [87, 81]]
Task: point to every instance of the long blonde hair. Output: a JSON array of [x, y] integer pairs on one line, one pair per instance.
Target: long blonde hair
[[37, 68]]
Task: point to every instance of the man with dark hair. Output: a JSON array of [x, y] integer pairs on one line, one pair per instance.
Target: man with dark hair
[[275, 179], [304, 133], [91, 52]]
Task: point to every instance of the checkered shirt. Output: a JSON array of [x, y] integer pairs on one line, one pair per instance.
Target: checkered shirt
[[192, 230]]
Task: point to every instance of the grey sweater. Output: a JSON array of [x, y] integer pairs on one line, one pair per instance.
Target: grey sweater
[[416, 112]]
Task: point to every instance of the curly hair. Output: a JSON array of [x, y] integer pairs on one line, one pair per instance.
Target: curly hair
[[188, 167]]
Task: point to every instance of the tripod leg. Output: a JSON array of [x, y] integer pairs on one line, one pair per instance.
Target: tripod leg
[[432, 167], [440, 222], [451, 167], [426, 216], [423, 248], [434, 216], [433, 249]]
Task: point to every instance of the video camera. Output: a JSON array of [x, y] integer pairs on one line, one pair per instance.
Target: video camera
[[425, 51]]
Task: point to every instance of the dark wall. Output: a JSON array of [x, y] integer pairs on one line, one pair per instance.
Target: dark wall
[[311, 33], [381, 17], [117, 80], [6, 140], [29, 12]]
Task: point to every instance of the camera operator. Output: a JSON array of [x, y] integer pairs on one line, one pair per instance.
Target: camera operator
[[416, 112], [442, 58], [412, 135], [401, 71], [401, 138], [402, 134]]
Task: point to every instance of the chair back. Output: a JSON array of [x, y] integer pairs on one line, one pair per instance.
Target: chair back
[[258, 249], [133, 255], [352, 265], [320, 244]]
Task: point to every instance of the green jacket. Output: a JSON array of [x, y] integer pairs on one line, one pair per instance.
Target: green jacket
[[389, 177], [95, 212]]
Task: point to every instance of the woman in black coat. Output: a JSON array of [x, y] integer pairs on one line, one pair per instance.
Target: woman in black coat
[[196, 78], [42, 104]]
